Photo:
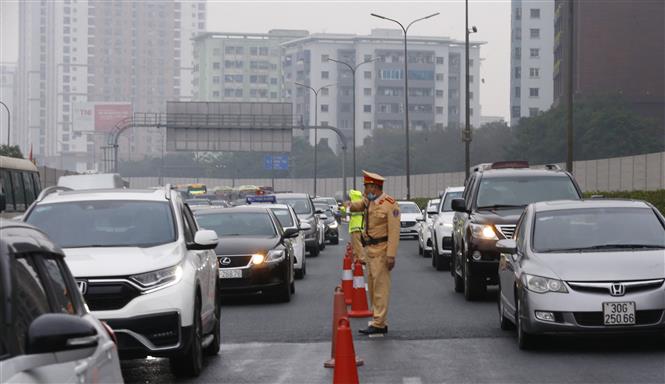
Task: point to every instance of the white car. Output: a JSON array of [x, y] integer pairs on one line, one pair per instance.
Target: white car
[[442, 229], [409, 215], [143, 267], [425, 228], [288, 218]]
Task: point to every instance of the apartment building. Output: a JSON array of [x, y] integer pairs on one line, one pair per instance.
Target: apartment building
[[7, 97], [76, 52], [532, 58]]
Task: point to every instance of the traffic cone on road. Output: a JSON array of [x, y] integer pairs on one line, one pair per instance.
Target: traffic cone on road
[[346, 371], [359, 307], [339, 311], [347, 279]]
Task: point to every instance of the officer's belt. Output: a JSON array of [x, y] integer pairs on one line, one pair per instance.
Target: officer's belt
[[374, 241]]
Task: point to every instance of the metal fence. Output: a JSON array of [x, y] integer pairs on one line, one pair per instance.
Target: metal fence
[[641, 172]]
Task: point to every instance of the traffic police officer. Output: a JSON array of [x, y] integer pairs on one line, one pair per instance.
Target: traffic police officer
[[356, 227], [381, 239]]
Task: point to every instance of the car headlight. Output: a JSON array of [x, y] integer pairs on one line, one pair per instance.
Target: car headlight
[[541, 284], [482, 231], [160, 278], [333, 225]]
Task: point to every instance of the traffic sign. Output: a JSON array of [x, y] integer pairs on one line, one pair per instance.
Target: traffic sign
[[276, 162]]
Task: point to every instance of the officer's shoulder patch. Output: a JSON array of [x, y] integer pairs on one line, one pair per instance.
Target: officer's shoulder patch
[[395, 212], [390, 199], [381, 201]]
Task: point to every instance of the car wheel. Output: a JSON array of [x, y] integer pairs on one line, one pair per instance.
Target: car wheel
[[435, 251], [420, 248], [292, 287], [213, 349], [300, 273], [525, 341], [314, 251], [427, 253], [334, 240], [473, 286], [441, 264], [190, 363], [504, 323], [322, 246]]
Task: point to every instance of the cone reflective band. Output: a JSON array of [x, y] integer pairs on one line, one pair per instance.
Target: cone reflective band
[[359, 307], [347, 281]]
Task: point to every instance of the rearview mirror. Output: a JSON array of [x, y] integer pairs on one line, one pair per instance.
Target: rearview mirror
[[508, 246], [290, 233], [57, 332], [204, 239], [458, 205]]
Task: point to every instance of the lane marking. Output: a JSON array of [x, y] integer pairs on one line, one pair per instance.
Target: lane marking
[[412, 380]]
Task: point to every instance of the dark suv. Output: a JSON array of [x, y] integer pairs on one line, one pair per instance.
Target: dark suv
[[494, 198]]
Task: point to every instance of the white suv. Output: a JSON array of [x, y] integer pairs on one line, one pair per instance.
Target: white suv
[[442, 229], [143, 267]]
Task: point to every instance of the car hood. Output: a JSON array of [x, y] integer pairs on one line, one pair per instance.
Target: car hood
[[245, 245], [498, 216], [604, 266], [122, 261], [410, 216]]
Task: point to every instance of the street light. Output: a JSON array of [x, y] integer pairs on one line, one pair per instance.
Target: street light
[[316, 121], [353, 139], [9, 120], [467, 113], [406, 95]]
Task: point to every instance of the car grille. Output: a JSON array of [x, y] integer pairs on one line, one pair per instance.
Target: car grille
[[407, 224], [507, 230], [234, 261], [447, 243], [607, 287], [107, 296], [595, 319]]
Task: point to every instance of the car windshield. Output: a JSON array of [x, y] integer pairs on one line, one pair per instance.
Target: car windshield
[[238, 223], [409, 208], [301, 205], [109, 223], [284, 217], [448, 200], [519, 191], [329, 201], [597, 228], [432, 204]]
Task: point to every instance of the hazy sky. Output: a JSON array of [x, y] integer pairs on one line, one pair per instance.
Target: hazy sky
[[492, 17]]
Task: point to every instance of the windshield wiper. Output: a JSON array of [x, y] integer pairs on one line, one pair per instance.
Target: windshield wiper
[[495, 206], [602, 247]]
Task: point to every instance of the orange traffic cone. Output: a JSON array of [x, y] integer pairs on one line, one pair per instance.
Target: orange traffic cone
[[359, 307], [347, 279], [339, 311], [346, 371]]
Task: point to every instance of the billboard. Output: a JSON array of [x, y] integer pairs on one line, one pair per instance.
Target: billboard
[[99, 116], [229, 126]]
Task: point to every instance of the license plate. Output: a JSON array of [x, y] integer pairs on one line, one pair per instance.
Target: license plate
[[619, 313], [230, 274]]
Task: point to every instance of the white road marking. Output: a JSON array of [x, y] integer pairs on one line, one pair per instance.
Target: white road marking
[[411, 380]]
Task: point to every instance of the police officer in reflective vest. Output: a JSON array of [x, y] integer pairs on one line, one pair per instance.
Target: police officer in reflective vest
[[356, 227], [380, 238]]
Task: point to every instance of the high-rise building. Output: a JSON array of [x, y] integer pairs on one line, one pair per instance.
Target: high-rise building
[[240, 66], [531, 57], [619, 51], [75, 53], [436, 76], [7, 96]]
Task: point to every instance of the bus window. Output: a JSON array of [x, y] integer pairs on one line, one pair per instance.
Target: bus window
[[29, 189], [37, 183], [7, 189], [19, 192]]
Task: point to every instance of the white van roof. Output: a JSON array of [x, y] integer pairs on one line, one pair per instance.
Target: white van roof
[[96, 181]]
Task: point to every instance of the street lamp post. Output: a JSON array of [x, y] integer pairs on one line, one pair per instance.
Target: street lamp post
[[9, 121], [316, 122], [406, 95], [467, 108], [353, 139]]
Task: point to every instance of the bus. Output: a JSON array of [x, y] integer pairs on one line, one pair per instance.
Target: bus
[[197, 189], [19, 185]]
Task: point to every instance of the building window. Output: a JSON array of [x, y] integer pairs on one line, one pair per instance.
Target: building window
[[470, 62], [325, 91], [367, 91], [273, 95], [533, 92], [238, 92], [439, 77], [215, 94], [518, 53], [470, 111], [325, 75], [215, 65], [439, 60], [367, 74], [215, 79], [518, 72], [535, 13], [534, 52], [518, 13], [367, 57], [345, 107], [533, 112], [367, 108], [534, 33], [367, 125], [534, 73], [324, 107], [324, 123], [470, 95], [470, 78], [439, 93], [515, 112], [518, 92], [324, 58], [439, 110]]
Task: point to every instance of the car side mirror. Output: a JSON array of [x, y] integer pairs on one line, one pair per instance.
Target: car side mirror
[[290, 233], [323, 217], [305, 226], [458, 205], [319, 211], [204, 239], [508, 246], [57, 332]]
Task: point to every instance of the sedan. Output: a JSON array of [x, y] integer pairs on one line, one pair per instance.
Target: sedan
[[409, 215], [288, 219], [573, 267], [253, 253], [425, 228]]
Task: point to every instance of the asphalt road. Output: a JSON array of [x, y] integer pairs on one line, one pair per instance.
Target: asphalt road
[[435, 337]]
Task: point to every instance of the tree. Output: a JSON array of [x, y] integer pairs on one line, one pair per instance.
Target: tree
[[11, 151]]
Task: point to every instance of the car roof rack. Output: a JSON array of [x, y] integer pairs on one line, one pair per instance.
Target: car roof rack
[[553, 167], [52, 189]]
